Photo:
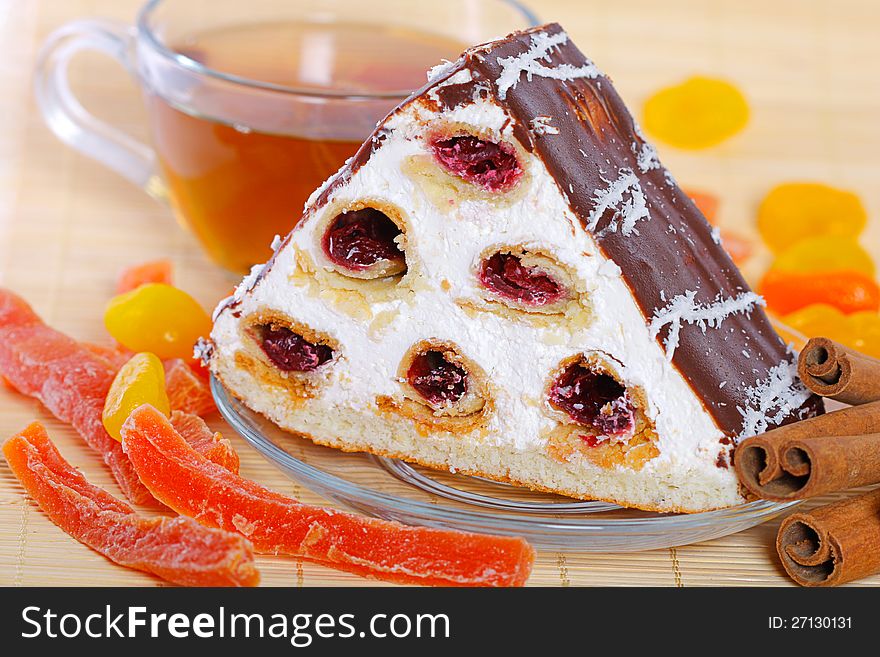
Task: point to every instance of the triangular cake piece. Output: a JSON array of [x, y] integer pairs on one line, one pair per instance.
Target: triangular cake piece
[[506, 282]]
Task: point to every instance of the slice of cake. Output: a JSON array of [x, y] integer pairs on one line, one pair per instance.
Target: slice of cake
[[505, 281]]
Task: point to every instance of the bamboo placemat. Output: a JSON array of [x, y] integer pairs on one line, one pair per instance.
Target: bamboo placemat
[[67, 225]]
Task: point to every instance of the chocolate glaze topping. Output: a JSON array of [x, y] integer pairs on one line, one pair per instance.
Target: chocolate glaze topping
[[667, 252]]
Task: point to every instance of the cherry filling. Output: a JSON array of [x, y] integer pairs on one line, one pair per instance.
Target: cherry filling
[[361, 238], [594, 399], [492, 166], [505, 275], [290, 351], [436, 379]]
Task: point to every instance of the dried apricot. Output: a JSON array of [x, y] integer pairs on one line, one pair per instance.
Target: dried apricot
[[848, 291], [865, 327], [157, 318], [825, 253], [140, 381], [860, 330], [821, 320], [795, 211], [697, 113], [155, 271]]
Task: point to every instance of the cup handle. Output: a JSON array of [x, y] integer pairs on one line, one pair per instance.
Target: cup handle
[[66, 116]]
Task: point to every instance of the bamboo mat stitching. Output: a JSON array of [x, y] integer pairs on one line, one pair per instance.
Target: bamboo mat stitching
[[676, 568]]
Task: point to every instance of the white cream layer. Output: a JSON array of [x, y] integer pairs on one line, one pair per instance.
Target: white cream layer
[[516, 356]]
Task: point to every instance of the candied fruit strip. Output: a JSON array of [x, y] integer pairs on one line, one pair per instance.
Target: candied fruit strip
[[176, 549], [70, 380], [276, 524], [187, 391], [212, 445], [116, 357], [153, 271]]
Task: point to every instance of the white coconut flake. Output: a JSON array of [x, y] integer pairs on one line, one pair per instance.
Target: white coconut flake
[[203, 349], [770, 401], [627, 211], [540, 125], [685, 309], [276, 242], [543, 45], [440, 70], [221, 306], [646, 154], [248, 282], [716, 235]]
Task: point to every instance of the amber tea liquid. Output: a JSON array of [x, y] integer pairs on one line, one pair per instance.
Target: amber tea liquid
[[236, 185]]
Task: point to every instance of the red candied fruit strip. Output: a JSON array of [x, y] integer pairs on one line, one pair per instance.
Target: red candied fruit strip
[[213, 446], [176, 549], [187, 391], [291, 352], [70, 380], [154, 271], [361, 238], [436, 379], [494, 167], [504, 274], [594, 399], [276, 524]]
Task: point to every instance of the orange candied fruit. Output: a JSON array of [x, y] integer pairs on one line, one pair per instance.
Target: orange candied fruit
[[697, 113], [157, 318], [277, 524], [68, 378], [860, 330], [140, 381], [706, 202], [848, 291], [739, 248], [824, 254], [820, 320], [865, 327], [187, 391], [176, 549], [154, 271], [795, 211]]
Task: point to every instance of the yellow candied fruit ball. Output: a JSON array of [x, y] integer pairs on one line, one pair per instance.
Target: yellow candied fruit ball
[[698, 113], [158, 318], [865, 327], [820, 320], [825, 253], [795, 211], [140, 381]]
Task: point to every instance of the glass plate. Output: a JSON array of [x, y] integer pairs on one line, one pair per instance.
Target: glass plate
[[395, 490]]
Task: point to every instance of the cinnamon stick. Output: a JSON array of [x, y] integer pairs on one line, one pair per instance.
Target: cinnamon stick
[[833, 370], [820, 455], [833, 544]]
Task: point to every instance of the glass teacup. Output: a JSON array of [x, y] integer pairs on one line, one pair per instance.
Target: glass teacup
[[252, 105]]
